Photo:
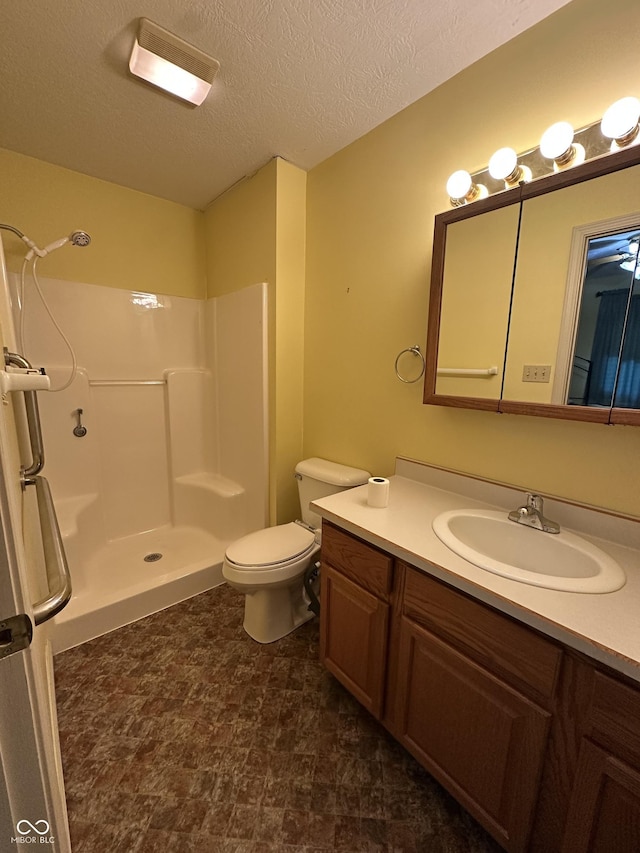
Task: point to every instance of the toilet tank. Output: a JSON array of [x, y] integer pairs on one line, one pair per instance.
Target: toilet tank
[[318, 478]]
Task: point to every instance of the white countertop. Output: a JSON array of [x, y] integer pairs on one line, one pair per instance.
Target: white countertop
[[604, 626]]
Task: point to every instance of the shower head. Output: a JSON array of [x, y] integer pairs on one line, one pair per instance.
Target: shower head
[[77, 238], [80, 238]]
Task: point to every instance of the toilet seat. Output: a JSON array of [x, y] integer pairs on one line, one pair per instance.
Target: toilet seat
[[271, 547]]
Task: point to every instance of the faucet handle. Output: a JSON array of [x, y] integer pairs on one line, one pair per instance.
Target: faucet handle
[[531, 514], [79, 430]]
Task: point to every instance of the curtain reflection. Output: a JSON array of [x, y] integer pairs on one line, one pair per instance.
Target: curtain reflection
[[627, 394], [609, 373]]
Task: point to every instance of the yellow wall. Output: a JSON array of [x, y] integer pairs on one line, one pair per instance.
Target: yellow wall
[[370, 211], [139, 242], [256, 232], [289, 342], [240, 234]]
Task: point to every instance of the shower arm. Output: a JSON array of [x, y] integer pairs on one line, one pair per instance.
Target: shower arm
[[21, 235], [11, 228]]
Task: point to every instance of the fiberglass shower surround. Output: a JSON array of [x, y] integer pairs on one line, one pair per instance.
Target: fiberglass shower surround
[[174, 459]]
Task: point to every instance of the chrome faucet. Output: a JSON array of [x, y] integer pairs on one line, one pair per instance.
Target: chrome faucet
[[531, 514]]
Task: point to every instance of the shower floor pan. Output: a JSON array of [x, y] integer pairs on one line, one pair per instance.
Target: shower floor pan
[[117, 585]]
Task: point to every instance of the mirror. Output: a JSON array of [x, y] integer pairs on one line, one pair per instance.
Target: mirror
[[523, 267], [473, 328]]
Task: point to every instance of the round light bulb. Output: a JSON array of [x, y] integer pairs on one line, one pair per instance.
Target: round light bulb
[[459, 184], [621, 119], [503, 163], [556, 140]]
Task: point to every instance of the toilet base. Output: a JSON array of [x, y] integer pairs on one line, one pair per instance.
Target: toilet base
[[270, 614]]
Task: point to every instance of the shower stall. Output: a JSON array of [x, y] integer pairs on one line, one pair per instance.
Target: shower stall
[[157, 451]]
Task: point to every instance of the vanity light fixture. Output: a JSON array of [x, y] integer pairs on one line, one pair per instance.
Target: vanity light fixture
[[621, 123], [166, 61], [462, 190], [504, 166], [560, 148], [557, 144]]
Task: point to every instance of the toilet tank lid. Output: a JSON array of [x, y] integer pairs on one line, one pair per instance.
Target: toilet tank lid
[[332, 472]]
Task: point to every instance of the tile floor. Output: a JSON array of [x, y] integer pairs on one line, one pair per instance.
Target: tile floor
[[180, 733]]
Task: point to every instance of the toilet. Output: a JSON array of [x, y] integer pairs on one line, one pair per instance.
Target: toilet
[[268, 566]]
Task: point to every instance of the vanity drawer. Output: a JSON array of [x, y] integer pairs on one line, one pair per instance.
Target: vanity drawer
[[518, 654], [362, 563]]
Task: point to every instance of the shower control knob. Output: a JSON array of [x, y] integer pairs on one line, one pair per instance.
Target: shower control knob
[[79, 430]]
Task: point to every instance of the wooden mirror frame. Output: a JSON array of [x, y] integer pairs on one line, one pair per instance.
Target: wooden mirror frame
[[595, 168]]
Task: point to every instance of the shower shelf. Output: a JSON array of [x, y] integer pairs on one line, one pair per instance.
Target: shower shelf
[[216, 483]]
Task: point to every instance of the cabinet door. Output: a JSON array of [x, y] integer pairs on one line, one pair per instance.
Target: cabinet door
[[353, 638], [480, 738], [604, 814]]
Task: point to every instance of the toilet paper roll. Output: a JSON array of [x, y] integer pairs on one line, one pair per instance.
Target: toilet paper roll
[[378, 491]]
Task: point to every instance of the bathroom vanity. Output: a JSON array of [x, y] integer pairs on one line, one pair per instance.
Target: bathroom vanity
[[523, 702]]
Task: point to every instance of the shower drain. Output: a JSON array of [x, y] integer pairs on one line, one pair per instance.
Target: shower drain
[[151, 558]]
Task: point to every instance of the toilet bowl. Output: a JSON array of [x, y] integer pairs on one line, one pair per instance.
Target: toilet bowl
[[268, 566]]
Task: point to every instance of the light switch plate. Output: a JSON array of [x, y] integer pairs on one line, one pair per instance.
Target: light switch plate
[[536, 373]]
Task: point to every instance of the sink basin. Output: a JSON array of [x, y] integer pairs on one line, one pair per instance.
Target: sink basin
[[561, 561]]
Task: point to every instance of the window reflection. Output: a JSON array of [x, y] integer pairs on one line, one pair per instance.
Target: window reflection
[[606, 363]]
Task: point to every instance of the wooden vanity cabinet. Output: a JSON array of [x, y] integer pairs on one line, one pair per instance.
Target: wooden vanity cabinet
[[356, 584], [539, 743], [604, 808], [475, 707]]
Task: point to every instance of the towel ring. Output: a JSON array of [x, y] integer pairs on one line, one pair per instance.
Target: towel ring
[[416, 351]]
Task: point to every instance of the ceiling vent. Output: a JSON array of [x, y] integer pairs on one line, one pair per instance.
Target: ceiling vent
[[172, 64]]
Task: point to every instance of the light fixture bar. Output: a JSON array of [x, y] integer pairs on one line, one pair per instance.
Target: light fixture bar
[[559, 145], [535, 165], [167, 61]]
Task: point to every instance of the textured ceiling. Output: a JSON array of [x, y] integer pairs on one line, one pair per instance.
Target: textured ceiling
[[299, 79]]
